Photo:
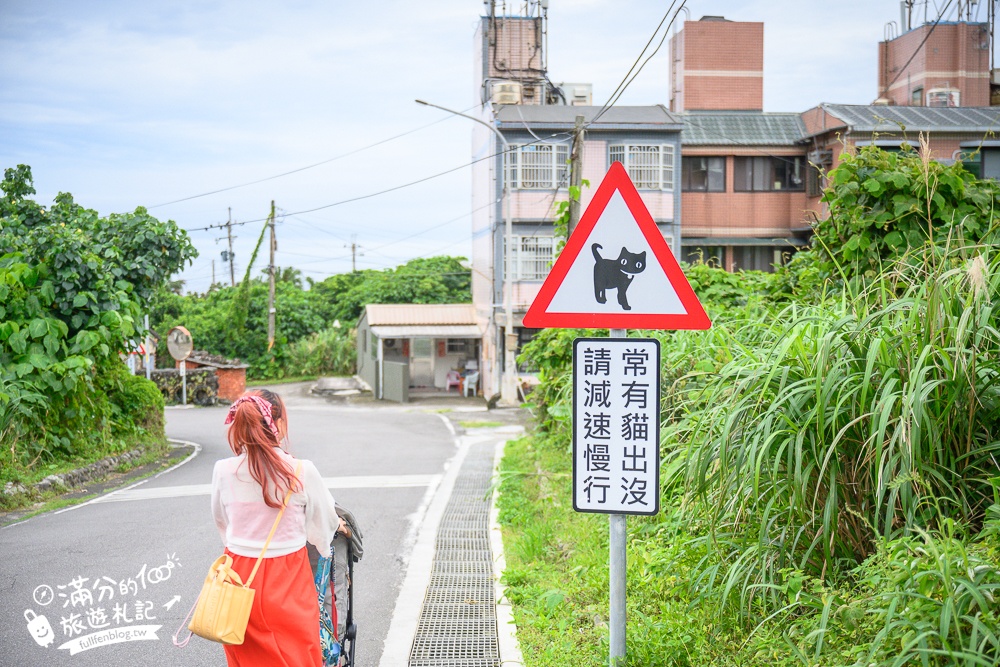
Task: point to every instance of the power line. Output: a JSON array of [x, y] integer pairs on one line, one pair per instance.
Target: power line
[[380, 192], [626, 81], [919, 46], [311, 166]]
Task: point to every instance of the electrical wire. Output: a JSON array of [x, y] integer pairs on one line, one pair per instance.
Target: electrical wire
[[626, 81], [311, 166], [919, 46], [376, 194]]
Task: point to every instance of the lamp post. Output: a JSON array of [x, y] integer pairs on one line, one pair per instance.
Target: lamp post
[[508, 384]]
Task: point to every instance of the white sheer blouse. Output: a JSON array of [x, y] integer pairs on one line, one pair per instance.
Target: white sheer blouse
[[244, 519]]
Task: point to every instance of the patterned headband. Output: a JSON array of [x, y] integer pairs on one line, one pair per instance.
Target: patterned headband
[[262, 405]]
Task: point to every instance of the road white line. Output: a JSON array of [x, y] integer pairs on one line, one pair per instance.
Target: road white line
[[403, 625], [356, 482]]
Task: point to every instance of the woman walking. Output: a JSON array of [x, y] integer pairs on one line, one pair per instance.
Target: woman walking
[[247, 494]]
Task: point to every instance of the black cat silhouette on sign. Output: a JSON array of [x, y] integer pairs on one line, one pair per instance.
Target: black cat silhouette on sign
[[617, 270], [616, 274]]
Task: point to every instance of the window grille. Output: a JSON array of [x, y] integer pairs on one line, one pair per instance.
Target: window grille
[[650, 166], [533, 256], [537, 166]]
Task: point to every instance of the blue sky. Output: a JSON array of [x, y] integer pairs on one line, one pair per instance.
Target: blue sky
[[141, 103]]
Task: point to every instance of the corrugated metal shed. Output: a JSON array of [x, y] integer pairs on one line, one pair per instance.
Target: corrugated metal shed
[[428, 331], [557, 116], [749, 128], [916, 119], [420, 314]]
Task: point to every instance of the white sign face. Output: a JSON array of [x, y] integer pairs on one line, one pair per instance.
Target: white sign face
[[617, 271], [616, 425]]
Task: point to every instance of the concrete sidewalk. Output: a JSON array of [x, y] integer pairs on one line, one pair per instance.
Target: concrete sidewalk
[[451, 610]]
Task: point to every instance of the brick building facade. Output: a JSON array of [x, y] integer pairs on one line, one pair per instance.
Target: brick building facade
[[943, 65]]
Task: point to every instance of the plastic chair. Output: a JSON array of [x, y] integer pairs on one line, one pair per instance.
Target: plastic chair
[[470, 384], [453, 379]]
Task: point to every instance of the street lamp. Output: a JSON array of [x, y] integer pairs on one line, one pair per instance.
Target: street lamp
[[508, 385]]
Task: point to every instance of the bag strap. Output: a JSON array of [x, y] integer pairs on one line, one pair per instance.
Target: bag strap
[[284, 504]]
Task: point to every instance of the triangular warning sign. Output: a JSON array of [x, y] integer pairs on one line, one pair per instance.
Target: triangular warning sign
[[616, 271]]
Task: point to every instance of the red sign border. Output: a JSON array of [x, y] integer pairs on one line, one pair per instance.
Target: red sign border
[[538, 315]]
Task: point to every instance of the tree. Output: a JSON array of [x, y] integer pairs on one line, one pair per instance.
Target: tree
[[71, 287]]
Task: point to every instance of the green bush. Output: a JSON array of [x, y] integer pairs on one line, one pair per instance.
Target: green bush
[[140, 403], [332, 351]]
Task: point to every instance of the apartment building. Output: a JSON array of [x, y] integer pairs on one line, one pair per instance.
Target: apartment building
[[536, 120], [726, 182]]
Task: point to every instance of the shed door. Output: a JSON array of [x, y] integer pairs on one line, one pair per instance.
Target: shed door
[[422, 363]]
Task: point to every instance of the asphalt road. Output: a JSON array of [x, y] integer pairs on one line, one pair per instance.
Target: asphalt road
[[112, 570]]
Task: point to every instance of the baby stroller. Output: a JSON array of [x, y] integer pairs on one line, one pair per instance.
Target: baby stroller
[[334, 579]]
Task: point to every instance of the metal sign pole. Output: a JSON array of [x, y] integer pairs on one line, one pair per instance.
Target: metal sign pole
[[184, 383], [616, 573]]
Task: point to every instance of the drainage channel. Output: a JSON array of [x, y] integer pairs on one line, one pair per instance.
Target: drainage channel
[[457, 625]]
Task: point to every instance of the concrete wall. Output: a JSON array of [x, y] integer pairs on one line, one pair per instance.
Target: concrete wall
[[367, 356], [397, 382]]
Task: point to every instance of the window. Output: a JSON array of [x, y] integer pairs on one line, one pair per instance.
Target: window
[[818, 162], [533, 257], [537, 166], [703, 174], [762, 174], [917, 97], [457, 346], [760, 258], [650, 166], [713, 255]]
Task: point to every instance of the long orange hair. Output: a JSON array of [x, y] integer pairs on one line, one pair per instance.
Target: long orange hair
[[250, 433]]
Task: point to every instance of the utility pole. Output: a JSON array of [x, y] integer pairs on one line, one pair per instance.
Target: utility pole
[[213, 272], [270, 294], [229, 233], [354, 253], [575, 176]]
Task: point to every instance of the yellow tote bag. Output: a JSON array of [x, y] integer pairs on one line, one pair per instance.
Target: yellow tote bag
[[222, 610]]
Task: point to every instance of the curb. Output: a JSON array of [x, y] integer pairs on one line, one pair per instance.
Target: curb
[[510, 649], [67, 481]]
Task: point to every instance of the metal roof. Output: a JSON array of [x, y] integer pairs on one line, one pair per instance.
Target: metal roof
[[915, 119], [752, 128], [512, 116], [420, 314], [428, 331]]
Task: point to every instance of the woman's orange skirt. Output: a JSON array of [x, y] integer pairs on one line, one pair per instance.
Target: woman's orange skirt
[[284, 623]]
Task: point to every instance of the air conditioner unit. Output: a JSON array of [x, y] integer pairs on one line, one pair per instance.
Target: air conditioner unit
[[578, 94], [506, 92], [943, 97]]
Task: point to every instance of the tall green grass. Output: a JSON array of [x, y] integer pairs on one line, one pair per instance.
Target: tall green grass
[[862, 419]]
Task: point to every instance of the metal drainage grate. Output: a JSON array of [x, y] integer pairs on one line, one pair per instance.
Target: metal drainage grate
[[457, 625]]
